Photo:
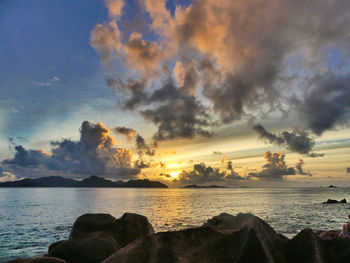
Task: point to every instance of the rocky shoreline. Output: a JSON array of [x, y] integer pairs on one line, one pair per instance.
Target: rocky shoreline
[[243, 238]]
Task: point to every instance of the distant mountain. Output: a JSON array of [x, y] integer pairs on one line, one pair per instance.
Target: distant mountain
[[92, 181], [144, 183], [56, 181], [203, 186]]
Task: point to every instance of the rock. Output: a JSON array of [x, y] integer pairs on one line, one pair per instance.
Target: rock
[[328, 234], [92, 249], [193, 245], [305, 247], [224, 238], [331, 201], [244, 238], [53, 245], [37, 260], [124, 230], [87, 223], [94, 237], [332, 186]]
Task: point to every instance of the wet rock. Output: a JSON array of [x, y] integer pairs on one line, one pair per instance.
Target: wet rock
[[332, 201], [92, 249], [38, 260], [124, 230]]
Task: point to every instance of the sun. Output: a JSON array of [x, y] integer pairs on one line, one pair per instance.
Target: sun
[[174, 174]]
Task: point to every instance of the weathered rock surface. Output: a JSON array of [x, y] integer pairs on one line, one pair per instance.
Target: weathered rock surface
[[234, 239], [91, 249], [94, 237], [38, 260], [243, 238], [123, 230], [331, 201]]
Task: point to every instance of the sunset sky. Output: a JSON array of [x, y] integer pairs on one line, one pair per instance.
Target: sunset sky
[[241, 92]]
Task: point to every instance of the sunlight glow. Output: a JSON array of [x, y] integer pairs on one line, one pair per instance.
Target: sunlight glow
[[174, 174]]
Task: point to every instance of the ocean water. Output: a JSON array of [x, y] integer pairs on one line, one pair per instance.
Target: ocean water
[[33, 218]]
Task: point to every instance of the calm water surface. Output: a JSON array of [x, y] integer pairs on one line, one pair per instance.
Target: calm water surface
[[33, 218]]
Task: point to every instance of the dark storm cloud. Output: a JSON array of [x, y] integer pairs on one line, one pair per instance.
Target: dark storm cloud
[[326, 103], [276, 167], [299, 168], [142, 164], [296, 141], [141, 143], [144, 147], [260, 55], [176, 114], [202, 174], [25, 157], [93, 153], [179, 115], [128, 132], [231, 174], [314, 155], [244, 71]]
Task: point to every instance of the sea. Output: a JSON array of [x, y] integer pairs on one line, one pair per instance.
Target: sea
[[33, 218]]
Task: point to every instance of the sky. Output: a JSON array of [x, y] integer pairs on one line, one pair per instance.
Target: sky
[[236, 93]]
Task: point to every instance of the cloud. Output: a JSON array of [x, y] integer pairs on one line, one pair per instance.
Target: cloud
[[187, 77], [30, 158], [176, 114], [142, 164], [93, 153], [276, 167], [202, 174], [128, 132], [179, 115], [299, 168], [6, 176], [48, 83], [142, 54], [326, 103], [229, 67], [314, 155], [106, 38], [217, 152], [296, 141], [114, 8]]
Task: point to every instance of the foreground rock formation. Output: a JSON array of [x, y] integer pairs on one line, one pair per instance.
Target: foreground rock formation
[[244, 238]]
